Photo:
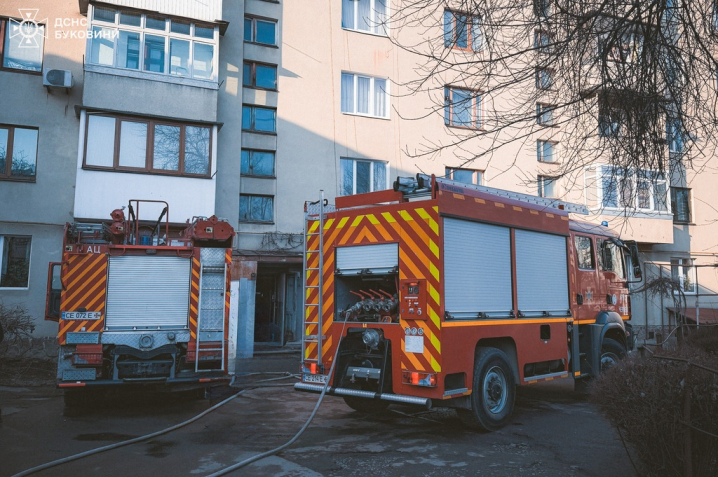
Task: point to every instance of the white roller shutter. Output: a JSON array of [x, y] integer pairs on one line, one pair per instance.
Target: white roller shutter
[[147, 292], [477, 267], [542, 278], [380, 258]]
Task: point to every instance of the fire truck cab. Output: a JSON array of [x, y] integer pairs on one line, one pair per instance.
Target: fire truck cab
[[137, 304], [439, 293]]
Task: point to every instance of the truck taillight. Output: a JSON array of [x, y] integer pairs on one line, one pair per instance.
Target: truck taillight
[[419, 379], [191, 352], [312, 368], [87, 355]]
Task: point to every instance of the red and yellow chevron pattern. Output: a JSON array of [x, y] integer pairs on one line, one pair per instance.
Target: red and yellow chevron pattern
[[194, 298], [416, 230], [85, 280]]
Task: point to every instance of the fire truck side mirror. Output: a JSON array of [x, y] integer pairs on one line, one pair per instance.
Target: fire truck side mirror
[[635, 264]]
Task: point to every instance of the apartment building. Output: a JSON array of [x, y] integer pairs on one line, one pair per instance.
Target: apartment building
[[345, 99], [180, 101], [140, 99]]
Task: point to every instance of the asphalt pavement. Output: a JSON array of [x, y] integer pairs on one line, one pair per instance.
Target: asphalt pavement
[[554, 432]]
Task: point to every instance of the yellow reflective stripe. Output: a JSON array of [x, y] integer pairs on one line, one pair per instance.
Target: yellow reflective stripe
[[434, 271], [435, 365], [372, 219], [434, 294], [357, 220], [434, 248], [328, 224], [406, 215], [388, 217], [435, 342]]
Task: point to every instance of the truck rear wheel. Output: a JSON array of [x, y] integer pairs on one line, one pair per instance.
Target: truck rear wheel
[[367, 406], [493, 391]]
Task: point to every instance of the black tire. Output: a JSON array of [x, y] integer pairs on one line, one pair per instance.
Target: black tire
[[611, 353], [366, 406], [493, 391]]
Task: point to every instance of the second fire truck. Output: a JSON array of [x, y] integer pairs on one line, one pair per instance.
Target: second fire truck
[[138, 305], [443, 294]]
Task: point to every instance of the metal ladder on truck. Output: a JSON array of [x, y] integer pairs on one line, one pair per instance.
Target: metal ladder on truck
[[314, 211], [210, 315]]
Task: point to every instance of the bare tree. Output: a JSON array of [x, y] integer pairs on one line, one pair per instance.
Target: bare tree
[[630, 84]]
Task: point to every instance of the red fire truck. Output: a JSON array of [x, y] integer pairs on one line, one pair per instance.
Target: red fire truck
[[136, 306], [440, 293]]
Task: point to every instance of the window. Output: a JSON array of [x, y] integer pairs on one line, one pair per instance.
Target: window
[[546, 186], [18, 152], [542, 8], [467, 176], [462, 31], [544, 114], [151, 43], [681, 205], [258, 119], [21, 45], [544, 78], [261, 31], [610, 258], [365, 15], [584, 252], [610, 121], [683, 271], [140, 145], [624, 48], [258, 75], [674, 135], [365, 95], [462, 108], [256, 208], [14, 261], [642, 190], [543, 41], [257, 163], [546, 151], [359, 177]]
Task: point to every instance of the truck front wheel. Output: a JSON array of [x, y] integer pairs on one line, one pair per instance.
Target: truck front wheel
[[611, 353], [493, 391]]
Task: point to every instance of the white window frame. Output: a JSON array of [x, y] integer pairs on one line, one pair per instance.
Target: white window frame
[[477, 108], [29, 265], [634, 179], [541, 182], [679, 264], [376, 29], [355, 85], [540, 151], [142, 30], [371, 173], [477, 174]]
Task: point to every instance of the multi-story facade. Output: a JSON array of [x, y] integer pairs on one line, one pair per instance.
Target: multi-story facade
[[180, 101]]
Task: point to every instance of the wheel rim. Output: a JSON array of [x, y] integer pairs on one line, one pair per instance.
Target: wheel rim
[[495, 390], [608, 360]]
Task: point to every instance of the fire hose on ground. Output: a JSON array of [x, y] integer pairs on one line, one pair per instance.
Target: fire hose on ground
[[224, 471]]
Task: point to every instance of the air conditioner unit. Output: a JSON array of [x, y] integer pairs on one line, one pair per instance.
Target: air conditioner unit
[[57, 78]]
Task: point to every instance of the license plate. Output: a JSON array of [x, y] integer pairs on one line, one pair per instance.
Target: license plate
[[314, 378], [81, 315]]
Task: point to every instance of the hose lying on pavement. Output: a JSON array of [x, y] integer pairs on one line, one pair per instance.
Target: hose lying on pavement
[[116, 445], [291, 441]]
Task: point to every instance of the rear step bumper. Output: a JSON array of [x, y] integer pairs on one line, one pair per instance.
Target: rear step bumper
[[144, 381], [398, 398]]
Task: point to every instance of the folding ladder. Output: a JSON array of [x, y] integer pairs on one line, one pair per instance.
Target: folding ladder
[[314, 213], [210, 315]]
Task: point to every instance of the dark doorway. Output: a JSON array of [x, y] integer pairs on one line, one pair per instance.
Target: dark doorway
[[266, 330]]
